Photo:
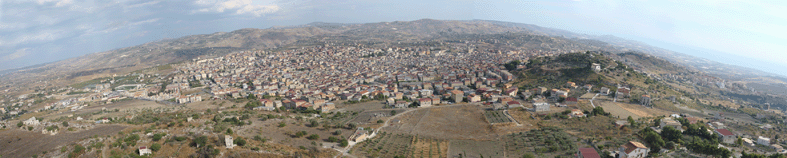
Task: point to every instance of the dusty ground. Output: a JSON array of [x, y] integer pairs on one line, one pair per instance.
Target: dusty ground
[[19, 143], [475, 149], [123, 106], [448, 122]]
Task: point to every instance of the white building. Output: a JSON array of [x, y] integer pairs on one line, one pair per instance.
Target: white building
[[604, 91], [143, 150], [633, 150], [228, 141], [539, 106], [595, 67], [31, 122], [764, 141]]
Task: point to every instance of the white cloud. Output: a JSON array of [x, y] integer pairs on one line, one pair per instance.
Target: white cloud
[[143, 4], [239, 6], [17, 54], [58, 3], [146, 21]]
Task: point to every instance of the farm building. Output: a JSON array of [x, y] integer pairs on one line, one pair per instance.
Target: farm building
[[726, 136], [587, 153], [633, 150], [540, 106], [143, 150]]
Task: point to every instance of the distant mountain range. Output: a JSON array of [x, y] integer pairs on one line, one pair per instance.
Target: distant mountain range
[[189, 47]]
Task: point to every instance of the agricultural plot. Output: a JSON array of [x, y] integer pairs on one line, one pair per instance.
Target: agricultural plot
[[476, 149], [385, 145], [391, 144], [431, 148], [545, 142], [496, 116]]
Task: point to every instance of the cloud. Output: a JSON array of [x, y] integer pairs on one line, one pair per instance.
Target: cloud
[[239, 6], [58, 3], [17, 54]]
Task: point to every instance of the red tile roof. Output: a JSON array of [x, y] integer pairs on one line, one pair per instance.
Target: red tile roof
[[724, 132], [588, 153]]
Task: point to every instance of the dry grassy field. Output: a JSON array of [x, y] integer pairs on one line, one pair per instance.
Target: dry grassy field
[[448, 122], [19, 143]]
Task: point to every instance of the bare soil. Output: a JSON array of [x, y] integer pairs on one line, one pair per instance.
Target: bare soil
[[446, 122]]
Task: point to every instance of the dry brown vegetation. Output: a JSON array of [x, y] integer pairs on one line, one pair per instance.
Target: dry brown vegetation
[[21, 143]]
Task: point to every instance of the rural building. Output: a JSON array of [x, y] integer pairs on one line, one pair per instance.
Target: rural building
[[576, 113], [31, 122], [359, 135], [587, 153], [266, 108], [400, 104], [645, 100], [726, 136], [623, 92], [571, 101], [327, 107], [670, 122], [748, 142], [457, 96], [777, 147], [228, 141], [604, 91], [633, 149], [425, 102], [473, 98], [540, 106], [595, 67], [143, 150], [571, 84], [764, 141], [391, 101]]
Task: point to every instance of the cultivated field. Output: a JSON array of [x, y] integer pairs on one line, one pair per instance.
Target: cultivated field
[[390, 145], [448, 122], [496, 116]]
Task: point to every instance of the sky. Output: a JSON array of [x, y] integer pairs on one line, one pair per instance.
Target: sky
[[742, 32]]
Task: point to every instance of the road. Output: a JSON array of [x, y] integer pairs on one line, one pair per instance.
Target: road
[[591, 100]]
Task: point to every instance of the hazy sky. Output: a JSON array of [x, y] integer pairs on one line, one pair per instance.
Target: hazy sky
[[746, 32]]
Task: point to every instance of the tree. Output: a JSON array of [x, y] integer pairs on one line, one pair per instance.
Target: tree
[[393, 112], [65, 123], [333, 139], [200, 141], [351, 126], [20, 124], [344, 143], [282, 124], [631, 121], [653, 140], [155, 147], [380, 121], [314, 123], [239, 141], [671, 134], [337, 132], [313, 137], [157, 137], [300, 134], [229, 131]]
